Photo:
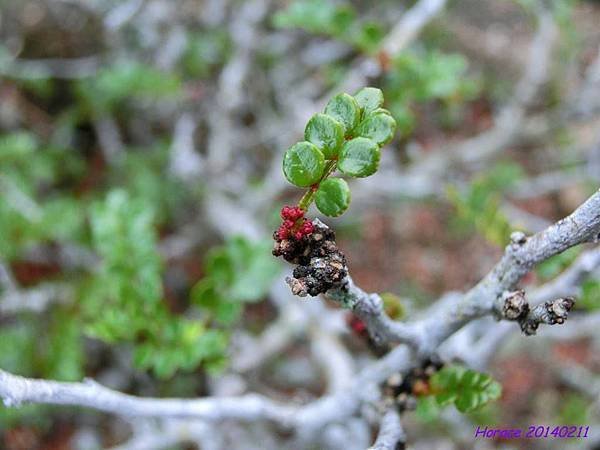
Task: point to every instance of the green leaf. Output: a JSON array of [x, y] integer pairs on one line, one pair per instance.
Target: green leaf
[[392, 305], [345, 109], [238, 272], [590, 295], [369, 99], [303, 164], [467, 389], [65, 354], [378, 126], [427, 409], [326, 133], [253, 269], [359, 157], [333, 197], [368, 36]]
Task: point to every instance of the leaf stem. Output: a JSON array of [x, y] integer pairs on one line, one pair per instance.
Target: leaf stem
[[309, 195]]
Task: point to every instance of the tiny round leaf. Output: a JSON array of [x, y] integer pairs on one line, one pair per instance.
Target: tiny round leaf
[[303, 164], [379, 127], [333, 197], [359, 157], [344, 108], [369, 99], [326, 133]]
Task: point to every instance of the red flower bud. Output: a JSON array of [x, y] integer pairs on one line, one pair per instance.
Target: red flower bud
[[297, 213], [356, 325], [307, 228], [283, 233]]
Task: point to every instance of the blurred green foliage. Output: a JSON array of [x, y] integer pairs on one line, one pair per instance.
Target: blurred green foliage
[[574, 410], [53, 196], [236, 273], [418, 77], [427, 410], [30, 347], [553, 266], [339, 21], [590, 295], [589, 298], [123, 300], [205, 51], [415, 76], [467, 389], [470, 391], [131, 80], [478, 206], [30, 210]]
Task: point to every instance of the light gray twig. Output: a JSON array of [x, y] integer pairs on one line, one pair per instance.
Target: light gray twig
[[15, 390], [391, 434]]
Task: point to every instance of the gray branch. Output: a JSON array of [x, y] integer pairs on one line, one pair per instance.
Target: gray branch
[[369, 308], [16, 390], [521, 255], [391, 434], [489, 296]]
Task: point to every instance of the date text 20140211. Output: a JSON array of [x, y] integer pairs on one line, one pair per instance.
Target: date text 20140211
[[534, 432]]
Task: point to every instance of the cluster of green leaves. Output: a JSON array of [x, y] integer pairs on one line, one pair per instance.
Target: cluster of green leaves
[[339, 21], [418, 77], [348, 136], [54, 196], [123, 300], [31, 211], [478, 206], [468, 390], [124, 295], [237, 273], [131, 80]]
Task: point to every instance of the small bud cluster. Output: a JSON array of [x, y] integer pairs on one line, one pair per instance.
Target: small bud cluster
[[515, 305], [401, 391], [553, 312], [295, 225]]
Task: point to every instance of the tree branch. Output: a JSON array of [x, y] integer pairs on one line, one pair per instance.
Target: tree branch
[[15, 390], [391, 434], [369, 308]]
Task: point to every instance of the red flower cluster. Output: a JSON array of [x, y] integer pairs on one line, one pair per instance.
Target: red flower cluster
[[295, 225]]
